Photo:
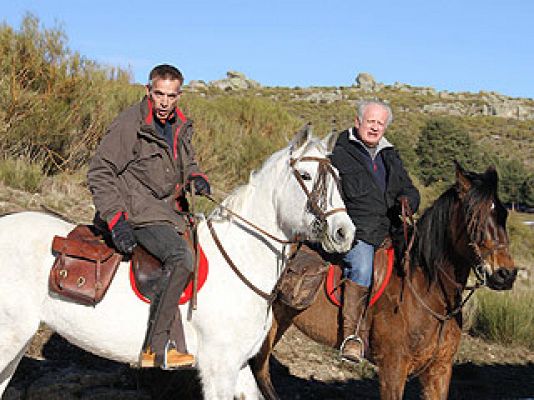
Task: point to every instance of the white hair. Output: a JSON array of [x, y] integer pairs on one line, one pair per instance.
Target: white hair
[[362, 105]]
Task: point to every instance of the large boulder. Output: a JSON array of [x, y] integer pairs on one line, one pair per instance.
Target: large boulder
[[366, 81], [235, 81], [197, 85]]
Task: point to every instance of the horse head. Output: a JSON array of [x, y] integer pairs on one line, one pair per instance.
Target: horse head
[[485, 220], [310, 204]]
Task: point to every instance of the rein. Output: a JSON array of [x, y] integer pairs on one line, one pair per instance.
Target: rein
[[408, 215], [442, 318], [249, 223], [267, 296], [317, 200]]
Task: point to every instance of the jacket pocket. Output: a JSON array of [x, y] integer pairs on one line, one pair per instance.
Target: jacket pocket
[[355, 185], [155, 172]]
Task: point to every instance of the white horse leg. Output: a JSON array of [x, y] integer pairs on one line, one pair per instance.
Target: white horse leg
[[18, 324], [219, 375], [247, 388], [13, 359]]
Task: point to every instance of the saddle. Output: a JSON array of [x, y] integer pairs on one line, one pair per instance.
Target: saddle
[[307, 271], [384, 259], [86, 263]]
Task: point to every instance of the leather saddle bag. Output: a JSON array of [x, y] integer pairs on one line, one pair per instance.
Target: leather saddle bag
[[299, 285], [84, 266]]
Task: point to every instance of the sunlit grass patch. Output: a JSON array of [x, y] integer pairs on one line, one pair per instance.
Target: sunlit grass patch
[[21, 174], [505, 317]]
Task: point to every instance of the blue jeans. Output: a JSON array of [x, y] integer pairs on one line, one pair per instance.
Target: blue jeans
[[358, 263]]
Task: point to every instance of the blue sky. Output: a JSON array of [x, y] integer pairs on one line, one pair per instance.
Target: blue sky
[[455, 45]]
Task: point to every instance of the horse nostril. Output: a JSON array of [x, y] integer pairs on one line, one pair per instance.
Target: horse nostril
[[340, 234]]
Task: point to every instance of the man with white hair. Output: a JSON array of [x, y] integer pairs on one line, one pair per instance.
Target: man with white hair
[[373, 181]]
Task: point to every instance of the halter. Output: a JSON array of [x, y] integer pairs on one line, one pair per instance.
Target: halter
[[317, 201]]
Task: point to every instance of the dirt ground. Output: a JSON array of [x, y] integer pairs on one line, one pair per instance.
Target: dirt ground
[[301, 369]]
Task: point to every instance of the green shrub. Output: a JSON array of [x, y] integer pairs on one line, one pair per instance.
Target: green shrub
[[521, 239], [505, 317], [55, 103], [21, 174], [234, 135], [441, 142]]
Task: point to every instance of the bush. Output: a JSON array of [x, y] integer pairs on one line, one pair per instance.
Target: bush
[[505, 317], [521, 239], [235, 134], [21, 174], [441, 142], [55, 104]]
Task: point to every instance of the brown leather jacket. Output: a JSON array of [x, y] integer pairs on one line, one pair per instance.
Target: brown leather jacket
[[135, 171]]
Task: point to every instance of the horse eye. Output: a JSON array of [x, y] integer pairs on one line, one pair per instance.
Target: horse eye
[[305, 176], [492, 206]]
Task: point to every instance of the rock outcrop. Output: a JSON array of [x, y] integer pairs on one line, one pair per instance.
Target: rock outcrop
[[235, 81]]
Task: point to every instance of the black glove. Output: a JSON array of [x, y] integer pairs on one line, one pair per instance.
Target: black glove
[[201, 184], [123, 236]]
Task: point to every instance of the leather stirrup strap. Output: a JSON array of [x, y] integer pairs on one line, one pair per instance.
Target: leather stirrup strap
[[407, 215]]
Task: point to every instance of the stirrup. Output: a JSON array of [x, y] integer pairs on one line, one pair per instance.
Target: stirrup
[[342, 347]]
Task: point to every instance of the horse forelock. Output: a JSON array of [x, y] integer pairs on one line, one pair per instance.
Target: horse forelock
[[478, 204], [314, 143]]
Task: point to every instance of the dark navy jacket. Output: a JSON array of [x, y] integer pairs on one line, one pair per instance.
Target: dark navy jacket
[[375, 212]]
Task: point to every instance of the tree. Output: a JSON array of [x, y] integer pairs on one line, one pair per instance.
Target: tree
[[512, 177], [440, 143], [527, 191]]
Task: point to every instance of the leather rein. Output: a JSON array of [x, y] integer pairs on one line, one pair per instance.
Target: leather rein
[[316, 203], [407, 215]]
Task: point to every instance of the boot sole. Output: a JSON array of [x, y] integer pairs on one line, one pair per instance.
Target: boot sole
[[182, 365]]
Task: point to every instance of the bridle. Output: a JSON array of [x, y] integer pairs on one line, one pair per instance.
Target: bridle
[[478, 269], [442, 318], [317, 198], [482, 255], [316, 204]]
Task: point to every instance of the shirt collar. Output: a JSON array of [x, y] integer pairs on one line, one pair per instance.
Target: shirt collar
[[382, 144]]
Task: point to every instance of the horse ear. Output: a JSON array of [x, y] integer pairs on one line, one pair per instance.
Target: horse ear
[[302, 136], [463, 183], [492, 176], [330, 141]]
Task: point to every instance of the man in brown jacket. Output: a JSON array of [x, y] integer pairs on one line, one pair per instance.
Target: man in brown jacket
[[145, 159]]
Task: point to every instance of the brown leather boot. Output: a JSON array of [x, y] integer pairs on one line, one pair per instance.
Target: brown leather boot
[[355, 299], [165, 319]]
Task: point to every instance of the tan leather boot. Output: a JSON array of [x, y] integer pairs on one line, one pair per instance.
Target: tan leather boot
[[175, 359], [355, 299], [172, 359]]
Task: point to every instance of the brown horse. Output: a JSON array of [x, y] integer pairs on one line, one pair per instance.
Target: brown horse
[[416, 324]]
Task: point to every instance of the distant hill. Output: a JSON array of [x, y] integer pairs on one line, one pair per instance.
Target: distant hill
[[501, 123]]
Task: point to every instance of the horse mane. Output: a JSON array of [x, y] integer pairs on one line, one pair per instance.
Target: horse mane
[[433, 242], [236, 200]]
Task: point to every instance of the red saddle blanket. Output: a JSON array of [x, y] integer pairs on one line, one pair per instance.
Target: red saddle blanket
[[383, 268]]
